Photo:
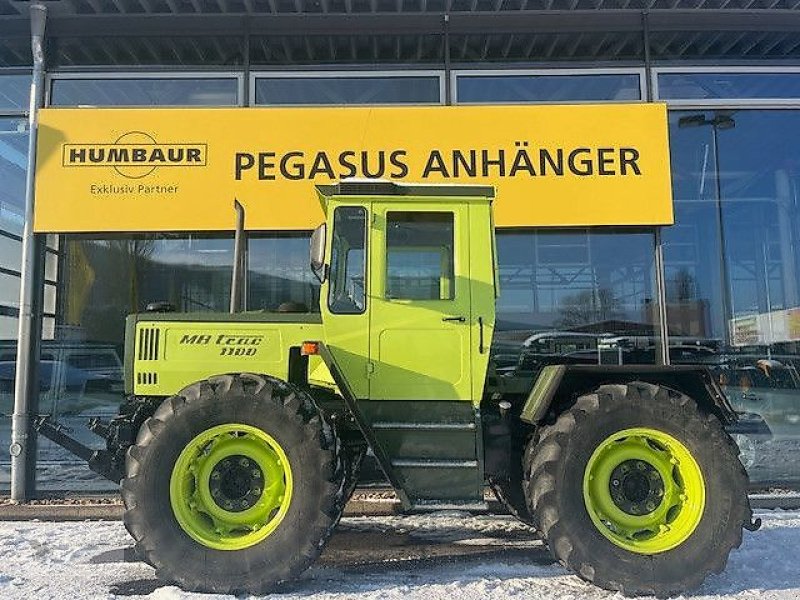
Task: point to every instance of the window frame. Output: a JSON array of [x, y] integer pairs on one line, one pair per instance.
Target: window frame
[[563, 72], [365, 262], [238, 76], [718, 103], [452, 259], [353, 74]]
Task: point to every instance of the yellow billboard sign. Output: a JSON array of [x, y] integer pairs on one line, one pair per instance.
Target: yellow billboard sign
[[107, 170]]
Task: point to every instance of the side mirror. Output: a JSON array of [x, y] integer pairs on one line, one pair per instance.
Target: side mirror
[[317, 253]]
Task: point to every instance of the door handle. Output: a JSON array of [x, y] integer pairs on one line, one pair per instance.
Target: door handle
[[480, 336], [458, 319]]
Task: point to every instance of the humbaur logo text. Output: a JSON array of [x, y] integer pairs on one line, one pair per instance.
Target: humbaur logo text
[[135, 154]]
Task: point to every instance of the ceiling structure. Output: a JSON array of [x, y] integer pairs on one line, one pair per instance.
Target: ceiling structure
[[135, 33]]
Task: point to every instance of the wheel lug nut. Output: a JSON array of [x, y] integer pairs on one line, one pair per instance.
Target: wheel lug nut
[[615, 482], [244, 462]]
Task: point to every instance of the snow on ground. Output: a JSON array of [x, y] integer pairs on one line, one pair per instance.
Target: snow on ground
[[430, 557]]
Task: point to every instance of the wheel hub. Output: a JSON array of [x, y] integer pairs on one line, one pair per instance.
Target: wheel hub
[[643, 490], [636, 487], [236, 483], [231, 486]]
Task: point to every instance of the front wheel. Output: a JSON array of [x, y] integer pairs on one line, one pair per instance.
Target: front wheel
[[234, 485], [636, 490]]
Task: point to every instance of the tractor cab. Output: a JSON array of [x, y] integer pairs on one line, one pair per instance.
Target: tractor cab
[[408, 287], [408, 309]]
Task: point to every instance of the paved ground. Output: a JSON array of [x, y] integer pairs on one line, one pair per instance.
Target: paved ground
[[440, 556]]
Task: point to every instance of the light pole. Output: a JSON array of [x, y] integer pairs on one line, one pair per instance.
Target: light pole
[[25, 385], [720, 121]]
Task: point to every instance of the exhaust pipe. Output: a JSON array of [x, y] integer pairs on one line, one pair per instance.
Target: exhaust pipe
[[238, 259]]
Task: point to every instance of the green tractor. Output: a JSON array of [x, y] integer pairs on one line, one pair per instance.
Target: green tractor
[[242, 435]]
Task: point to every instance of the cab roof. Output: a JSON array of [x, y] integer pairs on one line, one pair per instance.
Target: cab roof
[[400, 191]]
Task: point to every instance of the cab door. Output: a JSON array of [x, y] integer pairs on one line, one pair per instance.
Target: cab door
[[420, 319]]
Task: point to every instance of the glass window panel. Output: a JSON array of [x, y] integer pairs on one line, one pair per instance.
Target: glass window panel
[[49, 298], [732, 271], [13, 164], [690, 86], [547, 88], [10, 253], [347, 90], [52, 241], [149, 91], [50, 264], [79, 380], [348, 287], [48, 328], [9, 289], [8, 327], [105, 279], [14, 91], [575, 296], [279, 277], [420, 255]]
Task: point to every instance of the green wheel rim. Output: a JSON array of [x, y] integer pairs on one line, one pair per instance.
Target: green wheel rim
[[231, 487], [644, 491]]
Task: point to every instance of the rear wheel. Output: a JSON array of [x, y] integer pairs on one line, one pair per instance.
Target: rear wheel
[[636, 490], [234, 485]]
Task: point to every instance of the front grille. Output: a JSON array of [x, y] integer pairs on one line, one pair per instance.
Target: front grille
[[148, 343], [147, 378]]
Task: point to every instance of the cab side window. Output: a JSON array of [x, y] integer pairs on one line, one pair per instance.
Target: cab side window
[[420, 256], [347, 293]]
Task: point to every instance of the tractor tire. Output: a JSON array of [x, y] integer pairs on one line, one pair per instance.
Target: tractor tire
[[234, 485], [636, 490]]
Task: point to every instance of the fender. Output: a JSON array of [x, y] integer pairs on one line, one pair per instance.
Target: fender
[[558, 385]]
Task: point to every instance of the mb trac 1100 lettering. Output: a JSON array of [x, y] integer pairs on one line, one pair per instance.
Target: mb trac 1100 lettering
[[242, 434]]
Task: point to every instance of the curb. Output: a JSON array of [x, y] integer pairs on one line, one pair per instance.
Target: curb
[[112, 511], [364, 507], [775, 501]]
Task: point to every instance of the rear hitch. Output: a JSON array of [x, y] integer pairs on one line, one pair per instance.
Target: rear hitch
[[99, 461], [99, 427]]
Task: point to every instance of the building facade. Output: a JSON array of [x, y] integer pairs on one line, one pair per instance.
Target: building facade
[[729, 72]]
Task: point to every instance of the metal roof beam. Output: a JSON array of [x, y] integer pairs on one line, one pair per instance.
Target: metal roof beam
[[522, 21]]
